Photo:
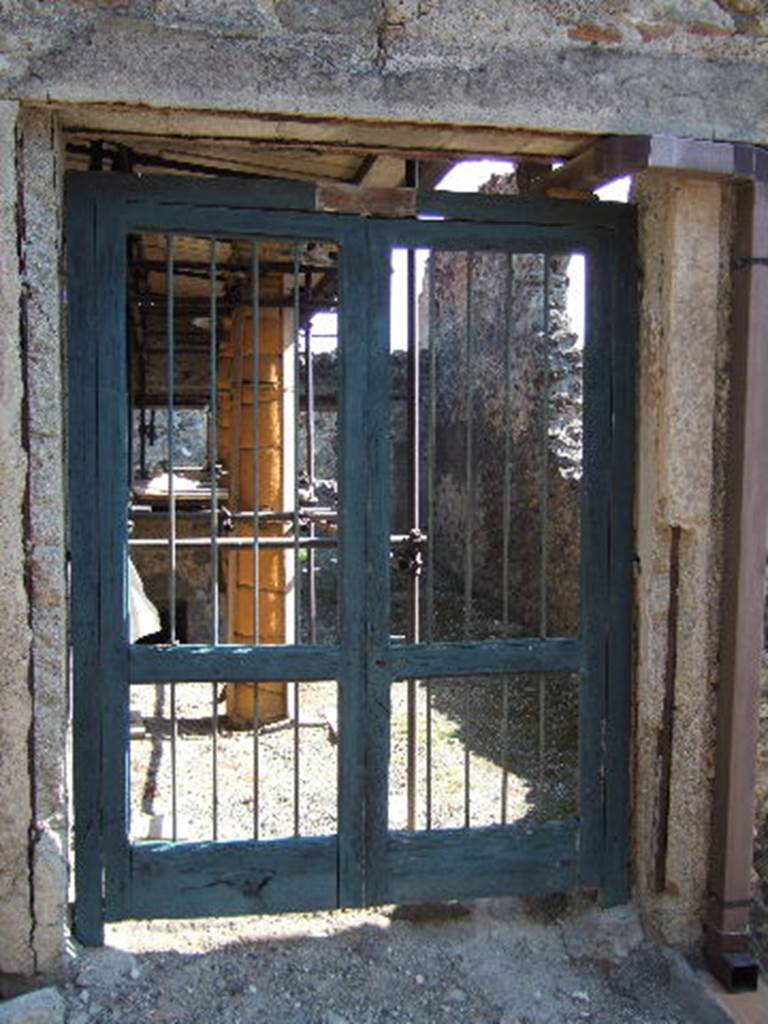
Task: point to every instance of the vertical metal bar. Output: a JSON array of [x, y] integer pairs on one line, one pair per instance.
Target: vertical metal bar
[[143, 442], [431, 456], [171, 361], [212, 455], [413, 510], [469, 508], [506, 518], [544, 509], [296, 537], [310, 413], [171, 370], [544, 457], [296, 459], [213, 449], [506, 511], [256, 399]]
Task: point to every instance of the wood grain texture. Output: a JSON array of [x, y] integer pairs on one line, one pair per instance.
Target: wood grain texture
[[110, 285], [366, 864], [513, 860], [378, 519], [485, 657], [353, 708], [277, 194], [244, 877], [595, 600], [618, 799], [84, 545], [191, 663]]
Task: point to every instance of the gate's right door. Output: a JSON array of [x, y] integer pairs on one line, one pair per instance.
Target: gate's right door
[[499, 556]]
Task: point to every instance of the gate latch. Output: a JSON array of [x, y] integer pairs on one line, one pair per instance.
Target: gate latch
[[407, 552]]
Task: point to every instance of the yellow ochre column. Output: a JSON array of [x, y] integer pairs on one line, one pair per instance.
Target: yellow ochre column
[[237, 450]]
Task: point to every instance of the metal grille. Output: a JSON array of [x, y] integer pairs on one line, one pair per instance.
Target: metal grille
[[454, 551], [485, 751], [193, 777], [487, 383], [234, 527]]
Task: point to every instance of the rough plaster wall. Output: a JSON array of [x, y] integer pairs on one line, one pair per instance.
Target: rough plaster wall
[[685, 239], [39, 164], [15, 699], [685, 67]]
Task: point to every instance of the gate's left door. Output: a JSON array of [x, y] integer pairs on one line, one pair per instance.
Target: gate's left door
[[217, 588]]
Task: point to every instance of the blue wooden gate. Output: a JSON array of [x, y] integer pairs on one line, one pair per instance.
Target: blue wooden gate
[[539, 702]]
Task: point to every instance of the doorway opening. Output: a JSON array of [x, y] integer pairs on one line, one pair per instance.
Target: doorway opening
[[362, 572]]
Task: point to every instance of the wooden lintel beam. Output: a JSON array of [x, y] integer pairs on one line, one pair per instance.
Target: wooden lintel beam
[[367, 202], [406, 140], [380, 172]]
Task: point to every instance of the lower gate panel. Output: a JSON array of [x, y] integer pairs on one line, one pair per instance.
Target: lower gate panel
[[515, 860], [204, 879]]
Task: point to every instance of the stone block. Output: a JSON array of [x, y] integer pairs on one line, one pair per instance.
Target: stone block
[[605, 936], [100, 970], [46, 1006]]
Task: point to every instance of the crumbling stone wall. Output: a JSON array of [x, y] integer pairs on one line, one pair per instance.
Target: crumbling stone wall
[[16, 956], [588, 65], [545, 448], [33, 695], [685, 247]]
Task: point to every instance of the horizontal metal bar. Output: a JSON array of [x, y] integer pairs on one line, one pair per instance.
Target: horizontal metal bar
[[231, 663], [239, 877], [235, 542], [239, 542], [310, 512], [483, 657], [506, 860], [153, 300], [265, 266]]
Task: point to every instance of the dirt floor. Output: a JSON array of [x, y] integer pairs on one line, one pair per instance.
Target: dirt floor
[[498, 751], [491, 962], [555, 961]]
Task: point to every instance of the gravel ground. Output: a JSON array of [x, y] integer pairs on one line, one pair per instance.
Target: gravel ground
[[489, 962], [528, 770], [484, 963]]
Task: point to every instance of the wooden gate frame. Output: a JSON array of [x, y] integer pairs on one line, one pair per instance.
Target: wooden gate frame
[[365, 863]]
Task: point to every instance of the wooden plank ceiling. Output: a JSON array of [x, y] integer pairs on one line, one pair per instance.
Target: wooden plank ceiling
[[373, 154]]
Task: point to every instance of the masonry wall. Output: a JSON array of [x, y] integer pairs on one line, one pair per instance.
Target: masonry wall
[[15, 635], [682, 67], [33, 623], [589, 67], [685, 238]]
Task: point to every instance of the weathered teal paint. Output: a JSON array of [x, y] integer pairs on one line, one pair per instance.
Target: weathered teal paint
[[84, 543], [365, 863], [516, 860]]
